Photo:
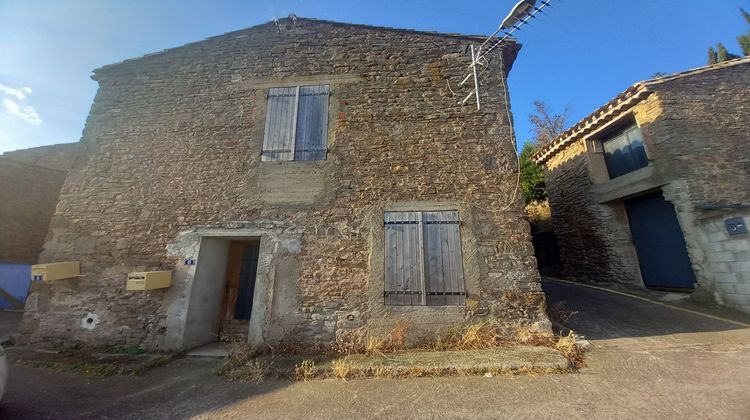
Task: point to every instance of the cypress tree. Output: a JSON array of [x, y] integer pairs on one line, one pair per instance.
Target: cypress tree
[[744, 40], [712, 59], [722, 54]]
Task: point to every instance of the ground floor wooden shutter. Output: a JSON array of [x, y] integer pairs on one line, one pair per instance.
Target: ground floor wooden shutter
[[403, 259], [423, 259], [444, 259]]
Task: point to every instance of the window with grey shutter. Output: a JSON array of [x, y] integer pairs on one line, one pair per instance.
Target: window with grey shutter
[[296, 123], [423, 259]]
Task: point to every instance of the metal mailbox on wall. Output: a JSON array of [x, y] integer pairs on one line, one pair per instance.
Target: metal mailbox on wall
[[148, 280], [736, 226], [55, 271]]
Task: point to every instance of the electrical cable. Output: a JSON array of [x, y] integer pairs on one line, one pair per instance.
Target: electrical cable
[[511, 137]]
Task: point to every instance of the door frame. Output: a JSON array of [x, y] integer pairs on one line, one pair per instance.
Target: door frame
[[180, 334]]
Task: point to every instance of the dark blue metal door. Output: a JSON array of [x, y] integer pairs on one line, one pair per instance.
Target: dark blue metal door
[[248, 270], [659, 242]]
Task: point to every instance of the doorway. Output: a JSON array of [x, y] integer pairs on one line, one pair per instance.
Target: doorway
[[659, 243], [239, 289]]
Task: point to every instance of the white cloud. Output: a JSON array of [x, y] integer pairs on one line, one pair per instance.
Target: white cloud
[[26, 113], [19, 93], [12, 97]]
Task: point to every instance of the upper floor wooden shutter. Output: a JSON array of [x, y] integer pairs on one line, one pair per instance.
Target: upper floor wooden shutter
[[278, 141], [312, 123], [296, 123]]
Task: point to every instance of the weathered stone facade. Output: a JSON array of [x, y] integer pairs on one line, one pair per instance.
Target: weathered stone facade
[[173, 163], [694, 127], [30, 182]]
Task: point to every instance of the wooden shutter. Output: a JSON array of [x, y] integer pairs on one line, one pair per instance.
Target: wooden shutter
[[312, 123], [423, 259], [403, 259], [278, 141], [443, 259]]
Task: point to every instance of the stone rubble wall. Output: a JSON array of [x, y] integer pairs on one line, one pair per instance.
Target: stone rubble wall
[[702, 138], [593, 238], [173, 142], [59, 157], [30, 182]]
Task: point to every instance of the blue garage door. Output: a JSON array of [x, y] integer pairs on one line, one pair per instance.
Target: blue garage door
[[15, 280], [659, 242]]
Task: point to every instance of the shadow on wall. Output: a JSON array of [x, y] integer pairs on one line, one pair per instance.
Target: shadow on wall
[[585, 249], [15, 280], [546, 251]]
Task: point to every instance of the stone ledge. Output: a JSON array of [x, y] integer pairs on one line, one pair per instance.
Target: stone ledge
[[407, 364], [499, 359]]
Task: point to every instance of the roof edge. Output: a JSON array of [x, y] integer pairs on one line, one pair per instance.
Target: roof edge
[[620, 104], [107, 67], [615, 107]]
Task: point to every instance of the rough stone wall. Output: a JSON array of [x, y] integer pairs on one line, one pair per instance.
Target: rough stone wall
[[60, 157], [30, 182], [592, 237], [173, 142], [699, 141]]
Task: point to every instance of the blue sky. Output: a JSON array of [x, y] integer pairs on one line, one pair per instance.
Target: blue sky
[[579, 55]]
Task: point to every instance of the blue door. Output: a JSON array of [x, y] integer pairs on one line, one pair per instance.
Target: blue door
[[248, 270], [659, 242]]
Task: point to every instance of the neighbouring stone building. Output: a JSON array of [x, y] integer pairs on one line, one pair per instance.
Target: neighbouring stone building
[[653, 189], [30, 183], [303, 180]]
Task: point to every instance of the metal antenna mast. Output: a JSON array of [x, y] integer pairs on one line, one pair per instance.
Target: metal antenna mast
[[519, 16]]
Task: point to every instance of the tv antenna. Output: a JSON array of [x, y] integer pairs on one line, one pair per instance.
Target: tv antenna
[[519, 16]]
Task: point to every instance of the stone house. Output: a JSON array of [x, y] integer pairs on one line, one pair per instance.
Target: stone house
[[653, 188], [303, 181], [30, 183]]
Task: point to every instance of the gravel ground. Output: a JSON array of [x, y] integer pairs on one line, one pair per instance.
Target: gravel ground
[[646, 360]]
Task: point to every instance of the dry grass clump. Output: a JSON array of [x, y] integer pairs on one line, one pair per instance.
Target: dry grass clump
[[350, 342], [240, 356], [342, 368], [363, 342], [491, 333], [243, 365], [570, 348], [394, 340], [253, 371], [305, 370]]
